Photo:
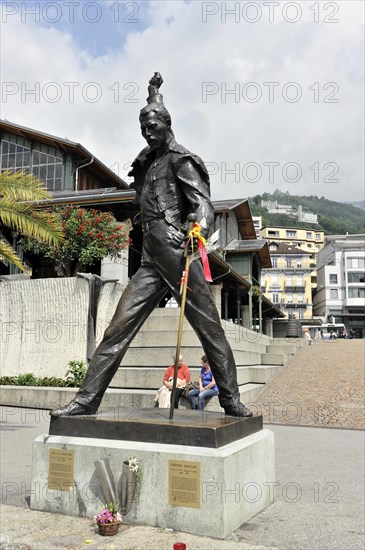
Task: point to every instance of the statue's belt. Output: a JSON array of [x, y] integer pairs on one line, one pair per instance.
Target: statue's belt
[[147, 226]]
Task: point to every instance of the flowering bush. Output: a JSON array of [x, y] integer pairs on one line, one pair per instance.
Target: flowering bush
[[89, 236], [109, 514]]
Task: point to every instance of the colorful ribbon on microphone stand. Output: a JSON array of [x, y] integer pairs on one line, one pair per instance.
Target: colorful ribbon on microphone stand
[[195, 232]]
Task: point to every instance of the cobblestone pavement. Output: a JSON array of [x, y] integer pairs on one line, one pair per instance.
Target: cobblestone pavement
[[322, 386], [45, 531]]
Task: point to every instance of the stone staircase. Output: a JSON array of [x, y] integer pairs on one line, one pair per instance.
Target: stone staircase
[[258, 360]]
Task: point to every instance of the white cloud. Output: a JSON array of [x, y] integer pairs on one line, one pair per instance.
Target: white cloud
[[227, 131]]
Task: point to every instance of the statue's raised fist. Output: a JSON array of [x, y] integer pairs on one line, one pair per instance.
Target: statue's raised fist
[[156, 80]]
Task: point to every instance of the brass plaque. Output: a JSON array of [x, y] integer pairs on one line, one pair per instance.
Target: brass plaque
[[184, 483], [61, 469]]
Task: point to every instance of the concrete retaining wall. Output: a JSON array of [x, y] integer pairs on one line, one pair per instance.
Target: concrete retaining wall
[[43, 325]]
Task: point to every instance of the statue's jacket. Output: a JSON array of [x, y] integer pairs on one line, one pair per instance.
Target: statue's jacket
[[179, 183], [168, 188]]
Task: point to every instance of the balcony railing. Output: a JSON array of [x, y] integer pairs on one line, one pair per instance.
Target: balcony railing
[[294, 288], [275, 286], [295, 266], [294, 306]]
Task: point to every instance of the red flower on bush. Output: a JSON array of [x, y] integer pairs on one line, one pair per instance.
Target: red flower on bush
[[90, 235]]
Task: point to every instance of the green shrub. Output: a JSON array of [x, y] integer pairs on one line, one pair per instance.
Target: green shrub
[[75, 373], [7, 380], [52, 382], [27, 379]]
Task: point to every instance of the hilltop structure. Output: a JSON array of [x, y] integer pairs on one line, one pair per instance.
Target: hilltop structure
[[273, 207]]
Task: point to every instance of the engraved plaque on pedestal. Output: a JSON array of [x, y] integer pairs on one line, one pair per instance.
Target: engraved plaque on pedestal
[[184, 483], [61, 469]]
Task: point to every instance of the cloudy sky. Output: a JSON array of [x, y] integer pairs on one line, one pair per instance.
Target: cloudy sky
[[269, 94]]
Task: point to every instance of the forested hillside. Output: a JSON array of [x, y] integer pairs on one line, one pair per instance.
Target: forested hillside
[[358, 204], [335, 218]]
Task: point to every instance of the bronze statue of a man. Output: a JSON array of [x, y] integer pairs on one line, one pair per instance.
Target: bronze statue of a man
[[170, 184]]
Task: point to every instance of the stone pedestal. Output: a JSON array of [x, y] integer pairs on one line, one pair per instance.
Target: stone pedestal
[[188, 427], [234, 481]]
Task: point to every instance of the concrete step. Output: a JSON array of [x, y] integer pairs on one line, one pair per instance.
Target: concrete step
[[163, 356], [128, 401], [156, 324], [297, 342], [262, 374], [152, 338], [151, 378], [281, 348], [250, 392], [240, 333], [174, 313], [167, 319], [275, 358]]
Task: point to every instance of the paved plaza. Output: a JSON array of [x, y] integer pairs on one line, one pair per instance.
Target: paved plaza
[[317, 497], [322, 386]]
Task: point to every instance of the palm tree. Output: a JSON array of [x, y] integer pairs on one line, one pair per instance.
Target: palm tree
[[19, 195]]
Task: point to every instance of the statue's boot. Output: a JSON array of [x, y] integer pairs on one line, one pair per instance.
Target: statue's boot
[[74, 409], [238, 409]]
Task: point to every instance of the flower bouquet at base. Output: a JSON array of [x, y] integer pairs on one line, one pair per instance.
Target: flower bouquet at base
[[108, 520]]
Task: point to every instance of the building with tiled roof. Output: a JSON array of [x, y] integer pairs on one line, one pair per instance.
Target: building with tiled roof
[[75, 176]]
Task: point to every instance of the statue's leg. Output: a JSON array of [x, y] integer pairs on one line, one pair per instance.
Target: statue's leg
[[141, 296], [202, 314]]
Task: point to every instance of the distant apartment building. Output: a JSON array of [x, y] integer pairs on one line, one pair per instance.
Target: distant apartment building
[[257, 223], [308, 240], [273, 207], [340, 295], [288, 283]]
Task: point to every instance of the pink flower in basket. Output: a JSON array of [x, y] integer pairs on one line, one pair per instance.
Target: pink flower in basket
[[109, 514]]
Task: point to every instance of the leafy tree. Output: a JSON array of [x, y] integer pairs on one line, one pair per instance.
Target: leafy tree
[[19, 194], [90, 235]]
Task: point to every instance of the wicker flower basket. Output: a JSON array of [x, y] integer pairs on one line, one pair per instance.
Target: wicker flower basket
[[108, 529]]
